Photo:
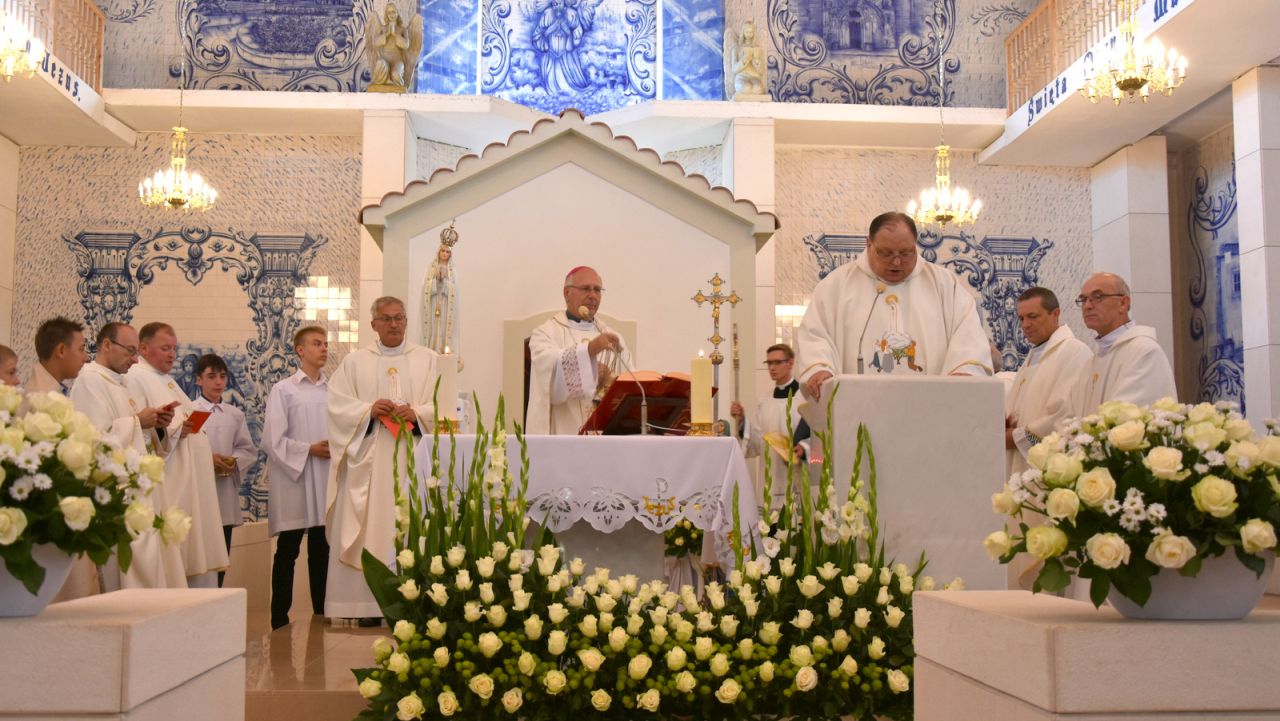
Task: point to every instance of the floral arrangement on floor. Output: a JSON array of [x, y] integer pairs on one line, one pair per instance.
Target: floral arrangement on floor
[[814, 625], [1132, 490], [682, 539], [60, 484]]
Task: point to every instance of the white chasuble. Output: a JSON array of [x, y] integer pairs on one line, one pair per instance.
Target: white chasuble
[[926, 324], [1132, 368], [101, 394], [1040, 398], [562, 376], [189, 480], [360, 501]]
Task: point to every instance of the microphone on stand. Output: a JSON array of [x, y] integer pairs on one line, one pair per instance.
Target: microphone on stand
[[584, 312], [880, 288]]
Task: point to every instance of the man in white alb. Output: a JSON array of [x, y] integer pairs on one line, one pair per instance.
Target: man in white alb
[[188, 459], [893, 313], [1040, 398], [60, 348], [1129, 364], [295, 438], [374, 390], [124, 419], [571, 357]]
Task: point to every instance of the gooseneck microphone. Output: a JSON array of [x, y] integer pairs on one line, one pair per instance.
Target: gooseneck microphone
[[584, 312], [880, 288]]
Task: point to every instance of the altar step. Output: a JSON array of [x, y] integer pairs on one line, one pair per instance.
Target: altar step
[[303, 671]]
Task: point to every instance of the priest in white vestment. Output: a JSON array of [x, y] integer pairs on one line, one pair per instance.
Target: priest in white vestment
[[375, 387], [126, 421], [190, 482], [1040, 397], [1129, 364], [890, 313], [573, 355], [768, 435]]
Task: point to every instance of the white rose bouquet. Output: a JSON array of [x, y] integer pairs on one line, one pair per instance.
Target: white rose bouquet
[[1132, 490], [485, 626], [60, 484]]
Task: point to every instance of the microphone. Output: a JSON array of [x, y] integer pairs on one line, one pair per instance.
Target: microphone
[[585, 312], [880, 288]]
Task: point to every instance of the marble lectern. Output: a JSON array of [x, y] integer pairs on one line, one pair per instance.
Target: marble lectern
[[939, 446]]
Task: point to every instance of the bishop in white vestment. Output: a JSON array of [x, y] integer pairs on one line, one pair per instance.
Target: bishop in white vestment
[[101, 394], [1129, 364], [568, 352], [389, 382], [893, 312], [188, 458]]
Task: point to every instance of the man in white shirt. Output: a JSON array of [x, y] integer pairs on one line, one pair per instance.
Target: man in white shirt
[[234, 452], [295, 438], [1129, 364], [767, 435], [60, 348], [890, 313], [376, 392], [125, 420], [571, 353], [188, 468]]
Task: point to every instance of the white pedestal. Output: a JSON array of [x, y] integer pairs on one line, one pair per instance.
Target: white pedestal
[[155, 654], [1011, 656], [939, 446]]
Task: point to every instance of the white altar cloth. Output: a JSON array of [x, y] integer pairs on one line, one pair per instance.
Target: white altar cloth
[[607, 481]]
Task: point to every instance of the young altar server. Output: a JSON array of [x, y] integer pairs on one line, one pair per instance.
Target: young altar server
[[233, 449]]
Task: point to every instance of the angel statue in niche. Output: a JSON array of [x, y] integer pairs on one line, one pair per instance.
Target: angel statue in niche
[[440, 303], [393, 47], [744, 65], [558, 32]]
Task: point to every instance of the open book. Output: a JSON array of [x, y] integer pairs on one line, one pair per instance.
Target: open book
[[619, 410]]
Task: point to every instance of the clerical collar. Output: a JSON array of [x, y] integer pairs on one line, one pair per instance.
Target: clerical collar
[[390, 351], [792, 388], [110, 374], [1105, 342]]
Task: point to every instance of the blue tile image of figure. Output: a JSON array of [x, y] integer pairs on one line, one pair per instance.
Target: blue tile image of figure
[[561, 26]]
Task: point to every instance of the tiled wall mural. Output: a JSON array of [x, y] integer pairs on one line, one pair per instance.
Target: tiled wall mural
[[1207, 239], [225, 279], [1034, 229]]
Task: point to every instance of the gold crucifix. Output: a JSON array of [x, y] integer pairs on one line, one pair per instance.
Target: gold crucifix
[[716, 299]]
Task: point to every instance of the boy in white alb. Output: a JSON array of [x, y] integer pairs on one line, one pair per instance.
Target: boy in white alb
[[234, 451]]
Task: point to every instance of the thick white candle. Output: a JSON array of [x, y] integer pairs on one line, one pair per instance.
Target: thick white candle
[[448, 398], [700, 390]]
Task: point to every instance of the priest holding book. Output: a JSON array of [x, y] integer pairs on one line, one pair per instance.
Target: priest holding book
[[572, 354]]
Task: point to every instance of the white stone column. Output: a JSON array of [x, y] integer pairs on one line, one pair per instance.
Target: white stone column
[[1255, 98], [8, 235], [388, 163], [1130, 192], [749, 172]]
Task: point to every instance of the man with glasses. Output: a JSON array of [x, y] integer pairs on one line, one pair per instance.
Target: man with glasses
[[769, 429], [124, 419], [1128, 365], [377, 392], [573, 355], [890, 313]]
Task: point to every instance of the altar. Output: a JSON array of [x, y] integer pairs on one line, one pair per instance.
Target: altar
[[608, 499]]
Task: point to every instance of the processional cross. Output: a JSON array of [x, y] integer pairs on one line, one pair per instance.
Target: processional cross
[[716, 299]]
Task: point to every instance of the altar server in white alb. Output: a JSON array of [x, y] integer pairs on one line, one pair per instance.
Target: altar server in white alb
[[766, 435], [125, 420], [573, 354], [1040, 397], [60, 349], [1129, 364], [295, 437], [234, 451], [896, 313], [374, 390], [188, 466]]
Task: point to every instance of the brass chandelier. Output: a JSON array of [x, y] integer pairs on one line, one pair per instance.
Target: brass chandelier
[[1134, 69], [20, 51], [176, 187], [943, 204]]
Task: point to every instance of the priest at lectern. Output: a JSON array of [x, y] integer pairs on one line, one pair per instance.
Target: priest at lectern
[[889, 312], [573, 354]]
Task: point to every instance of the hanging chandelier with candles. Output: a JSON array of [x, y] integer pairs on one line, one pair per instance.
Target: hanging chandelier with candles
[[20, 51], [1134, 69], [177, 187], [943, 204]]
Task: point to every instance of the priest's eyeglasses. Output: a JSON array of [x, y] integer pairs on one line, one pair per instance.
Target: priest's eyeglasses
[[391, 318], [891, 256], [588, 289], [1096, 298]]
